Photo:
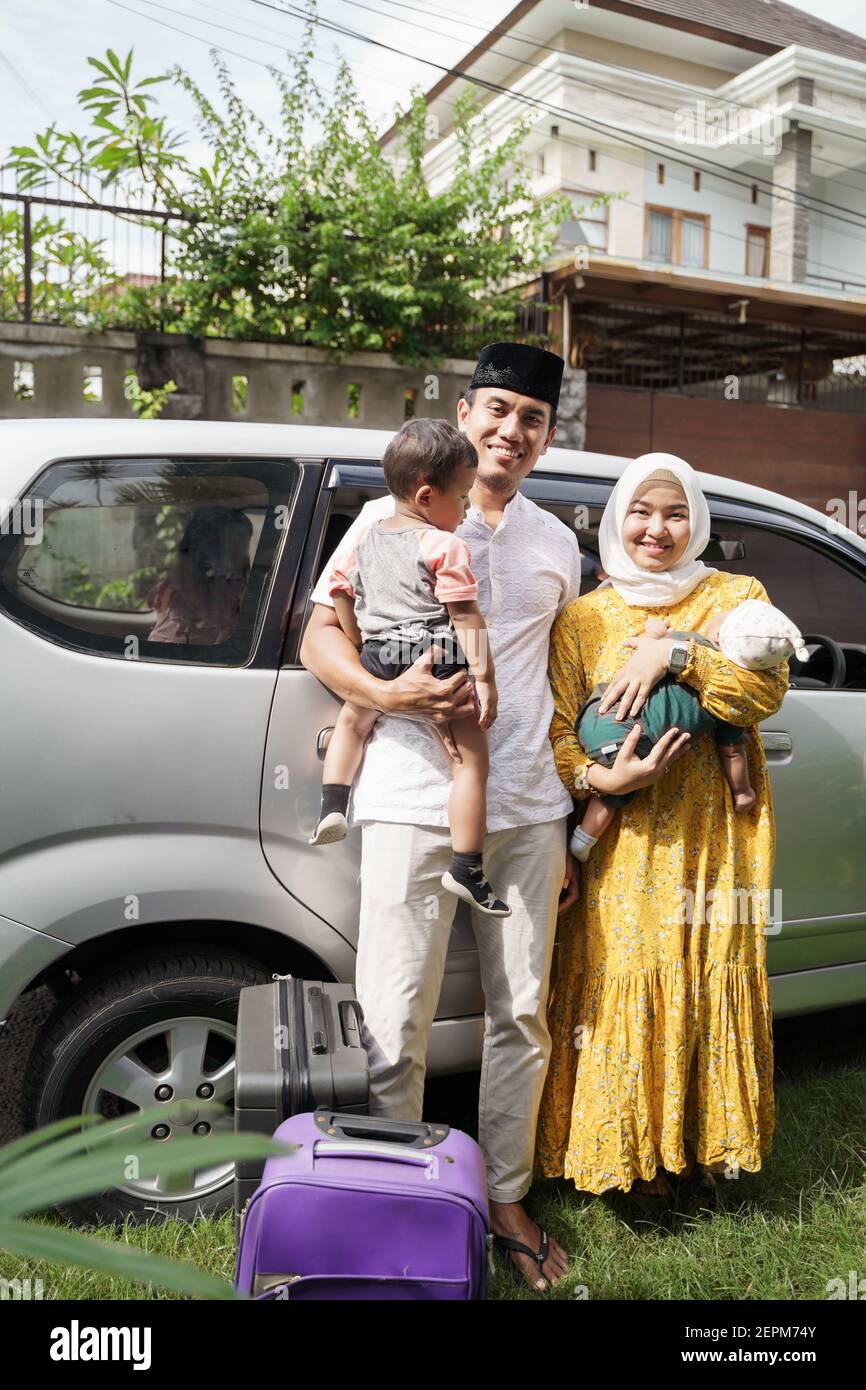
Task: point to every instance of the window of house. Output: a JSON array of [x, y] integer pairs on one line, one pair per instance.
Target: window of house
[[153, 559], [588, 226], [757, 250], [676, 237]]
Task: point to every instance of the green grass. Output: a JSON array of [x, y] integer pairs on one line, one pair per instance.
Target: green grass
[[779, 1234]]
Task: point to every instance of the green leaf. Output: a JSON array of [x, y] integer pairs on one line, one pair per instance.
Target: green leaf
[[101, 67], [89, 93], [83, 1177], [39, 1137], [93, 1159], [30, 1241]]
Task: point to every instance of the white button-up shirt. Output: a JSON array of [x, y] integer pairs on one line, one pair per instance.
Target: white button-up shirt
[[528, 569]]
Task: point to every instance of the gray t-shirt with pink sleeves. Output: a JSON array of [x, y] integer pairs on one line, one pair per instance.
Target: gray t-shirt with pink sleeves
[[402, 580]]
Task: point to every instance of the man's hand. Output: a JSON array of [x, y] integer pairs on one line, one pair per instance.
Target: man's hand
[[417, 694], [629, 772], [488, 701], [634, 681], [570, 885]]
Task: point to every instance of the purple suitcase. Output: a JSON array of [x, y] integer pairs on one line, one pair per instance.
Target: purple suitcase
[[367, 1209]]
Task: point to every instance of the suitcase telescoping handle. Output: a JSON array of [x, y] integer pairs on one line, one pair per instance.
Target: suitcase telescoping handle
[[332, 1124]]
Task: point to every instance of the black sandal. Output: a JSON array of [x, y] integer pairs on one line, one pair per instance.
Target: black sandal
[[506, 1244]]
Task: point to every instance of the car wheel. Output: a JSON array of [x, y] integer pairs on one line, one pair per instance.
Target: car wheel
[[151, 1030]]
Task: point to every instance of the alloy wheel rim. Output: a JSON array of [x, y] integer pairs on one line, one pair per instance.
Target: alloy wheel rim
[[125, 1075]]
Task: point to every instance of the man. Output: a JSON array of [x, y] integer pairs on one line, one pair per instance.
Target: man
[[528, 568]]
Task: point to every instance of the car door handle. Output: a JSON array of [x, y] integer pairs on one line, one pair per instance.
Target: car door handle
[[777, 743], [323, 738]]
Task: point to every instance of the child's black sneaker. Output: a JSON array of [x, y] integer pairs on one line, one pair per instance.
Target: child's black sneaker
[[331, 828], [469, 882], [333, 822]]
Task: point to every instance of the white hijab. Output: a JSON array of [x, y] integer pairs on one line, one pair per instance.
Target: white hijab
[[644, 588]]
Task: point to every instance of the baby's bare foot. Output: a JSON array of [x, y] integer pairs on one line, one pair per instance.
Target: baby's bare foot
[[744, 801]]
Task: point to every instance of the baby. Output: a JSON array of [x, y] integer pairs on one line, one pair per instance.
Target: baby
[[403, 586], [755, 636]]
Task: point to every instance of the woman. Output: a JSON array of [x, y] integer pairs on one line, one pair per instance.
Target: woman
[[662, 1058], [199, 598]]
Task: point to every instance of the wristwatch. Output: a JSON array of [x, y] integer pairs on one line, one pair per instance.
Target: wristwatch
[[678, 657]]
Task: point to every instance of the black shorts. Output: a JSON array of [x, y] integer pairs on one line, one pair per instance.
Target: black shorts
[[379, 657]]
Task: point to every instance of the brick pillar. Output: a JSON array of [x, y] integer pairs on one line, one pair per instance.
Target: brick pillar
[[792, 177]]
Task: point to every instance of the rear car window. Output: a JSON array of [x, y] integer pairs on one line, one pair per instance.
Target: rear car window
[[158, 559]]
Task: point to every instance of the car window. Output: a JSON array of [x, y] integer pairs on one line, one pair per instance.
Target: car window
[[161, 559], [820, 593], [346, 502], [817, 591]]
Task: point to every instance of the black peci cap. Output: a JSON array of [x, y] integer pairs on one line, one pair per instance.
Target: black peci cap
[[530, 371]]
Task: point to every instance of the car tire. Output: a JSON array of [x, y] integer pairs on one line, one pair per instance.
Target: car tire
[[139, 1018]]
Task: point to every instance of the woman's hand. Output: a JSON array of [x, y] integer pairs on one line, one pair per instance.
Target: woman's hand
[[629, 772], [634, 681], [570, 891]]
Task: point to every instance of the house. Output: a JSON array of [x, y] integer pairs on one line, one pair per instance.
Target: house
[[717, 301]]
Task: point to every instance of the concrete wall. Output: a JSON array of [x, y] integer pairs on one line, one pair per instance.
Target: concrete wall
[[204, 371]]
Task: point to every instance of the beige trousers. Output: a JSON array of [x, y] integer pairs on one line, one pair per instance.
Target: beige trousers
[[406, 918]]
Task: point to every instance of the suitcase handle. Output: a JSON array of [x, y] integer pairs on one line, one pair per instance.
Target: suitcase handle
[[351, 1018], [319, 1028], [334, 1124], [390, 1153]]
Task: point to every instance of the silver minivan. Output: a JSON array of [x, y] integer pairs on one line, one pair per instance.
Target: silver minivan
[[161, 765]]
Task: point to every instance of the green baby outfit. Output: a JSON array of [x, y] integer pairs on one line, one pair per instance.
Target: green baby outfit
[[670, 704]]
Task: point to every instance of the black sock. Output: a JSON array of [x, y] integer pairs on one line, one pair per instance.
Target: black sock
[[471, 859], [335, 797]]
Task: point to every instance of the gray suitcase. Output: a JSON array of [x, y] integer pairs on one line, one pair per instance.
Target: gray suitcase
[[298, 1046]]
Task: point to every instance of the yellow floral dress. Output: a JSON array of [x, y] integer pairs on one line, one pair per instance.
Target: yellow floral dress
[[659, 1009]]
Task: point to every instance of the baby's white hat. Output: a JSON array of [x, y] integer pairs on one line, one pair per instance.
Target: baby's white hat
[[756, 636]]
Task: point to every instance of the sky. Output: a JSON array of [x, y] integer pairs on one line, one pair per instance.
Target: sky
[[44, 46]]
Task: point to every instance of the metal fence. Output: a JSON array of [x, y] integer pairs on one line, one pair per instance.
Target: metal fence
[[66, 255], [716, 356]]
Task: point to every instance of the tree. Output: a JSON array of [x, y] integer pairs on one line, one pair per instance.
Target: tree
[[319, 238]]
